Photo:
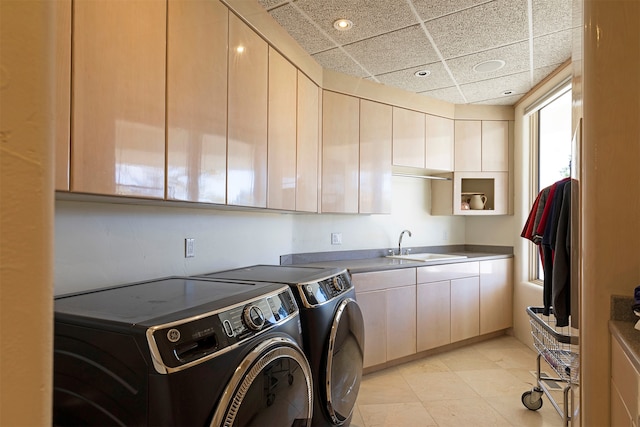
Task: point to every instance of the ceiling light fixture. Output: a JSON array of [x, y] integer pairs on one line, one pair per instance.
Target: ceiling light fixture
[[422, 73], [488, 66], [507, 92], [342, 24]]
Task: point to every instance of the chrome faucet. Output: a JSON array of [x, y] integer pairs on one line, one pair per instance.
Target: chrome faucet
[[400, 240]]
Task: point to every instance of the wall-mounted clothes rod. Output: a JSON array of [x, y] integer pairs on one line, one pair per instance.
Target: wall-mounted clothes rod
[[408, 175]]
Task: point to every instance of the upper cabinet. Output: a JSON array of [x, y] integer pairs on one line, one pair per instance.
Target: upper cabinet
[[439, 139], [340, 152], [197, 101], [481, 146], [308, 144], [247, 121], [375, 157], [118, 125], [408, 138], [281, 154], [62, 96]]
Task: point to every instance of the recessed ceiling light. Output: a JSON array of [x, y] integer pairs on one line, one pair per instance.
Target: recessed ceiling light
[[507, 92], [342, 24], [422, 73], [487, 66]]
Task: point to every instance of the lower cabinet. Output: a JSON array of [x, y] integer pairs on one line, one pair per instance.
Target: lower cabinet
[[387, 300], [625, 382], [410, 310]]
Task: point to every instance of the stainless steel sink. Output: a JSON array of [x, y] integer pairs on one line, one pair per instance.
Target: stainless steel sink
[[427, 256]]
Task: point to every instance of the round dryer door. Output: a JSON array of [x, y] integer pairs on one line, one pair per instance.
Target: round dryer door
[[345, 357], [272, 386]]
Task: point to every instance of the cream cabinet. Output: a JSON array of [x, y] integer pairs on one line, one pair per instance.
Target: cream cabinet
[[247, 121], [62, 98], [447, 303], [308, 144], [448, 195], [625, 383], [340, 152], [481, 146], [118, 97], [281, 153], [197, 101], [387, 300], [408, 138], [439, 140], [375, 157], [496, 295]]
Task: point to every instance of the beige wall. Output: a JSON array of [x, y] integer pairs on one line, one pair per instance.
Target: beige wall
[[26, 212], [609, 182]]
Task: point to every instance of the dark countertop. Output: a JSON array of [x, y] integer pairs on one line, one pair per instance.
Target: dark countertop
[[622, 328], [378, 262]]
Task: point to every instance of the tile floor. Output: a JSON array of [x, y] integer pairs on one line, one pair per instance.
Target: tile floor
[[477, 385]]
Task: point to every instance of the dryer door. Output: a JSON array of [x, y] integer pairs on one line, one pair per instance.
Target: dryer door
[[345, 356], [272, 386]]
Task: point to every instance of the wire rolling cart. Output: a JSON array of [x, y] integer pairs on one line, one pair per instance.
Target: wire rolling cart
[[560, 352]]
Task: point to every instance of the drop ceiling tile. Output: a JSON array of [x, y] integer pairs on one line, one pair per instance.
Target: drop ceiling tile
[[516, 57], [406, 79], [269, 4], [370, 18], [550, 16], [551, 49], [429, 9], [449, 94], [504, 100], [519, 83], [308, 36], [540, 74], [337, 60], [404, 48], [498, 23]]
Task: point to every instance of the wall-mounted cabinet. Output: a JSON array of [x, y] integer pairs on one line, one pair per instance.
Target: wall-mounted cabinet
[[408, 138], [439, 143], [375, 157], [448, 197], [308, 145], [481, 146], [197, 101], [62, 96], [247, 122], [281, 152], [118, 125]]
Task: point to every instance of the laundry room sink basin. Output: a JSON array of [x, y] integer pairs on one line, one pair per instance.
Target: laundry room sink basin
[[427, 256]]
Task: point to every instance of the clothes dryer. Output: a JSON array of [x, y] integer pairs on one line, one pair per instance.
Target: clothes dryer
[[332, 328], [181, 352]]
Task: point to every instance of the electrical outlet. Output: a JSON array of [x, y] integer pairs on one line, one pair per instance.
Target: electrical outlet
[[189, 247], [336, 238], [445, 235]]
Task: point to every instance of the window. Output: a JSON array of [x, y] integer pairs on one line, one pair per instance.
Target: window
[[550, 129]]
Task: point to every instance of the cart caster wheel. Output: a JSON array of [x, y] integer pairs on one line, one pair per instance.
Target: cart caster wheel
[[530, 401], [290, 379], [270, 399]]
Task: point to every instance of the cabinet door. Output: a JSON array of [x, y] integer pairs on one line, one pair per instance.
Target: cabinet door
[[401, 322], [433, 315], [496, 295], [119, 58], [495, 146], [465, 316], [408, 138], [197, 101], [375, 157], [340, 152], [247, 109], [374, 306], [468, 146], [625, 381], [281, 185], [62, 96], [308, 144], [439, 143]]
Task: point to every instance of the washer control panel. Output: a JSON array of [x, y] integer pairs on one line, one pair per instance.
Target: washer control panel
[[322, 291], [189, 341]]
